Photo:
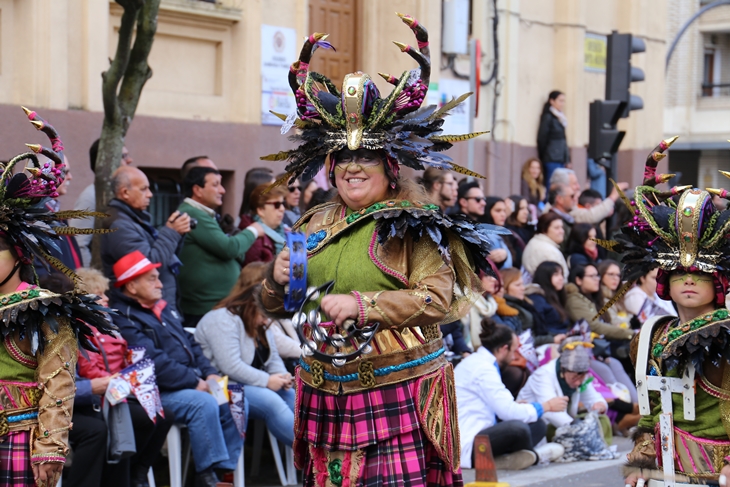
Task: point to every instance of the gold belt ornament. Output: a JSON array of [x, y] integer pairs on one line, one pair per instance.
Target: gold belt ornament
[[4, 425]]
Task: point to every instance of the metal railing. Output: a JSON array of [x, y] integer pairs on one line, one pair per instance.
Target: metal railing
[[167, 197], [715, 89]]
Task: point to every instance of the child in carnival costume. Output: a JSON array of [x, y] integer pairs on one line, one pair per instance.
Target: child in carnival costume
[[681, 233], [40, 330], [382, 412]]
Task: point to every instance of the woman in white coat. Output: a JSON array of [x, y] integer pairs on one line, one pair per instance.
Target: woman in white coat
[[565, 376]]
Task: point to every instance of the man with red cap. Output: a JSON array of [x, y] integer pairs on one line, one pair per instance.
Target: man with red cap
[[182, 370]]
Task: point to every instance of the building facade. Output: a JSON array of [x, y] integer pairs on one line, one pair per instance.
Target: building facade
[[211, 82], [698, 94]]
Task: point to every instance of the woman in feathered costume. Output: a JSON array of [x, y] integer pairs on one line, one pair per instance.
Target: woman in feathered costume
[[375, 395]]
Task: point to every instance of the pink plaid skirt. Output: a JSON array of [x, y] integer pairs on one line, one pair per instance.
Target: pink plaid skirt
[[15, 469], [365, 439]]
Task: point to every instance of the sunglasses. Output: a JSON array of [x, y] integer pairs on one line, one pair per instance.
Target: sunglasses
[[478, 199], [294, 188], [275, 204]]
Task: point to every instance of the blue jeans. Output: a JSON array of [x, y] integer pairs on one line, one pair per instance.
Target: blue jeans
[[214, 437], [275, 408], [549, 168]]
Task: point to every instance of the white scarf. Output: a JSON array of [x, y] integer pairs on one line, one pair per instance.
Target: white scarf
[[560, 115]]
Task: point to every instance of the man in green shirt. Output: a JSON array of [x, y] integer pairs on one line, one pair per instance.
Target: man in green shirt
[[211, 259]]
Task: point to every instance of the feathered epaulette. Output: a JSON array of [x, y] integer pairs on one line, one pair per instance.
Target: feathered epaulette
[[694, 341], [27, 310], [397, 217], [429, 221]]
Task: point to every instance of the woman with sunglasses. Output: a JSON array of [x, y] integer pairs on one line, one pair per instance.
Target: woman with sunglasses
[[583, 299], [268, 210], [371, 415], [291, 202]]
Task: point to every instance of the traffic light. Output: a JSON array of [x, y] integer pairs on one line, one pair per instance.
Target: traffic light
[[604, 137], [619, 72]]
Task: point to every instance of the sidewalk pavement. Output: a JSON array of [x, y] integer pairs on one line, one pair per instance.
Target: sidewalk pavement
[[583, 474]]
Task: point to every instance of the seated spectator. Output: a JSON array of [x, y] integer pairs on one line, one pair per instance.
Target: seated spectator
[[547, 293], [254, 177], [132, 223], [484, 307], [181, 367], [518, 223], [235, 339], [565, 376], [581, 248], [268, 209], [610, 274], [87, 202], [88, 437], [211, 259], [595, 214], [643, 290], [472, 203], [440, 186], [148, 436], [532, 185], [584, 300], [291, 202], [562, 200], [308, 190], [495, 213], [545, 245], [482, 398], [514, 294]]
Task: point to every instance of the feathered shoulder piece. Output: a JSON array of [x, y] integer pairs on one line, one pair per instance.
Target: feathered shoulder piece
[[329, 119], [28, 309], [397, 217], [33, 229]]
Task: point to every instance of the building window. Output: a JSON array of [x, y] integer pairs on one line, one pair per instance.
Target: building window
[[708, 72]]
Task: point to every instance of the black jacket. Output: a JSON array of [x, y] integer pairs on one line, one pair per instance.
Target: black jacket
[[134, 231], [550, 317], [179, 360], [551, 143]]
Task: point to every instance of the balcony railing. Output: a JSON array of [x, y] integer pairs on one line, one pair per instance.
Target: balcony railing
[[715, 89]]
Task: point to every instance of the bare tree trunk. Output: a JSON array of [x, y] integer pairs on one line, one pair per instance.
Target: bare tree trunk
[[122, 86]]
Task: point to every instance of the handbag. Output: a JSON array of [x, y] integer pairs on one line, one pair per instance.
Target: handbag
[[121, 443]]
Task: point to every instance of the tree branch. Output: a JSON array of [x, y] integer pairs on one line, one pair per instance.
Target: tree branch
[[138, 71], [112, 77]]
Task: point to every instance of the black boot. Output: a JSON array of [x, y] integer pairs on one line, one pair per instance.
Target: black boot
[[139, 477], [206, 478]]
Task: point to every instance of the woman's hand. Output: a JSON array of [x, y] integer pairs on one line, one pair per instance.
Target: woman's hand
[[556, 404], [559, 338], [724, 475], [498, 255], [99, 385], [598, 407], [633, 478], [281, 268], [47, 474], [340, 307], [277, 381]]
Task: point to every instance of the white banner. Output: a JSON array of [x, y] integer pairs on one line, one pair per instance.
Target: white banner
[[278, 52]]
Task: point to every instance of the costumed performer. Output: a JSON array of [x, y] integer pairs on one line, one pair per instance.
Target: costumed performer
[[388, 416], [40, 330], [681, 233]]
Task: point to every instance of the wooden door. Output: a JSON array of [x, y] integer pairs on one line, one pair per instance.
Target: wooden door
[[336, 18]]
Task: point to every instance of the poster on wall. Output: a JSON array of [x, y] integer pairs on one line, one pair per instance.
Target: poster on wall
[[278, 52], [458, 120]]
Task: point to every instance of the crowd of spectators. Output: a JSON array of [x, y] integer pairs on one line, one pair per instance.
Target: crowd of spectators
[[185, 292]]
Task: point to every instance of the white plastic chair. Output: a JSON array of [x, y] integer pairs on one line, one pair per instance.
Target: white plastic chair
[[179, 462], [288, 473]]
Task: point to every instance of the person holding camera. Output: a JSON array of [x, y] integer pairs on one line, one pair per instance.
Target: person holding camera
[[211, 258], [134, 231]]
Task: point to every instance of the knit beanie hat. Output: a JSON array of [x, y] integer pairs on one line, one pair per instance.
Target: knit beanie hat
[[575, 354]]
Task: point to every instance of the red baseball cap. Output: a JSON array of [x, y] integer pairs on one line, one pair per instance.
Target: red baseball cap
[[132, 266]]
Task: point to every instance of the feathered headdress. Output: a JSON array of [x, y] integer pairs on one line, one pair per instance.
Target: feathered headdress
[[32, 229], [329, 120], [671, 230]]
